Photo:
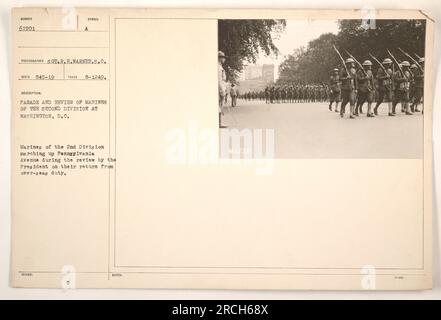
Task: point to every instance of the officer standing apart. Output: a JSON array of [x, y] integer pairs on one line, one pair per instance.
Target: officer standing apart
[[365, 80], [348, 87], [222, 84]]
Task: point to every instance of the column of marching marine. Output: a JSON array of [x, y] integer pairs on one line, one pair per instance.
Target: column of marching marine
[[356, 87]]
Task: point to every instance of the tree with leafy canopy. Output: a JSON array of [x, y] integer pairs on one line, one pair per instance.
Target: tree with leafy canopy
[[243, 41], [316, 61]]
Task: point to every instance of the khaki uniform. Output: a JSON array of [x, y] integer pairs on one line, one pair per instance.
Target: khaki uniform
[[365, 80], [222, 84], [402, 87], [348, 87], [233, 94]]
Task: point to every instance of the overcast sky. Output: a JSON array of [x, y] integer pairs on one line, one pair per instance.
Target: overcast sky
[[298, 33]]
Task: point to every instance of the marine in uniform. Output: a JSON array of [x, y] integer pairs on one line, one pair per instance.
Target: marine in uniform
[[335, 91], [418, 86], [348, 88], [233, 94], [365, 81], [385, 86], [222, 87], [267, 94], [402, 83]]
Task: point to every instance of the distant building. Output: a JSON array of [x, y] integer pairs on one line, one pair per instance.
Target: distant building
[[268, 73], [253, 72], [256, 77]]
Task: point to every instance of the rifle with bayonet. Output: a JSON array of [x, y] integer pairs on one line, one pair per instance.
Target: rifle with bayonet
[[413, 60], [382, 67], [361, 67], [357, 62], [342, 61], [395, 60]]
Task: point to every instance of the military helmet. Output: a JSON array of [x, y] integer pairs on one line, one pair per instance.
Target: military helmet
[[387, 61], [405, 63], [367, 63], [335, 69], [220, 54], [413, 66], [421, 60], [349, 60]]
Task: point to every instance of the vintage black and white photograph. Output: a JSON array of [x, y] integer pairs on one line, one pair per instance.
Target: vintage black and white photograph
[[326, 88]]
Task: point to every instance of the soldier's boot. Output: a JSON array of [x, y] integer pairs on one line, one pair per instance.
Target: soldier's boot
[[389, 106], [376, 109], [352, 112], [394, 106], [414, 107], [369, 112]]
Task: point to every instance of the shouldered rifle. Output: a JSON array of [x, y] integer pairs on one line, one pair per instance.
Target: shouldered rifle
[[342, 61], [381, 65], [357, 62], [395, 60], [410, 57]]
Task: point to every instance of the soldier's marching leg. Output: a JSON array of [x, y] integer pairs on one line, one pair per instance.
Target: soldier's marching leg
[[394, 104], [407, 108], [370, 99], [357, 104], [416, 99], [352, 111], [380, 99], [343, 107], [389, 104], [411, 105], [419, 100], [369, 112], [406, 104], [352, 104], [220, 111], [360, 101], [356, 109]]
